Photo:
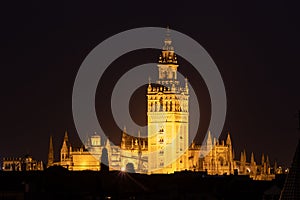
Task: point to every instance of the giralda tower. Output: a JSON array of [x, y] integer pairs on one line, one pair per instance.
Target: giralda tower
[[168, 116]]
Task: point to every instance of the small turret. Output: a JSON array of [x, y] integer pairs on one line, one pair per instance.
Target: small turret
[[215, 141], [95, 140], [66, 137], [144, 144], [263, 164], [242, 157], [193, 144], [65, 149], [268, 167], [149, 85]]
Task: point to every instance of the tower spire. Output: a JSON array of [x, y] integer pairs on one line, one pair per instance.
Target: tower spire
[[209, 143], [168, 42]]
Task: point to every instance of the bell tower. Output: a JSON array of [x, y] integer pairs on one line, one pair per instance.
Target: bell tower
[[168, 116]]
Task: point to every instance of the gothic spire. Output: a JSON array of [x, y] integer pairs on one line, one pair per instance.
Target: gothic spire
[[228, 140], [64, 146], [242, 157], [268, 161], [209, 140], [252, 159], [66, 137]]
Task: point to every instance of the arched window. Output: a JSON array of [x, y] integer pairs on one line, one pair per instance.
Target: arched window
[[161, 104]]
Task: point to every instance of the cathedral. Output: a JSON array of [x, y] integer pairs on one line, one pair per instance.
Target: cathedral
[[166, 149]]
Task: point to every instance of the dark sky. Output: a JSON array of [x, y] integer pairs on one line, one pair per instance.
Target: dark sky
[[255, 46]]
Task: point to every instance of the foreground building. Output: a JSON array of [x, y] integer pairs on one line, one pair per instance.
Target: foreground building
[[25, 163]]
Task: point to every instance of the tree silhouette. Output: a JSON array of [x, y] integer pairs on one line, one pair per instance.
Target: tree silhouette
[[104, 165], [130, 168]]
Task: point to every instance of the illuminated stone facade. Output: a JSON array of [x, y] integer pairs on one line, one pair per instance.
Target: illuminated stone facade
[[87, 157], [134, 150], [213, 157], [168, 117], [217, 158], [166, 149]]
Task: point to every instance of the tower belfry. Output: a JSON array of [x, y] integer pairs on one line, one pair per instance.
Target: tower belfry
[[167, 63], [168, 116]]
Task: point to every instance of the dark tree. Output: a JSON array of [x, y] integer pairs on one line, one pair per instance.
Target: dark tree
[[130, 168], [104, 165]]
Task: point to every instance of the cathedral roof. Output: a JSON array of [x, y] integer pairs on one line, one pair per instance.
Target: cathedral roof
[[129, 141]]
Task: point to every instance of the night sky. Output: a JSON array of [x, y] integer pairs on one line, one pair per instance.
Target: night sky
[[255, 46]]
